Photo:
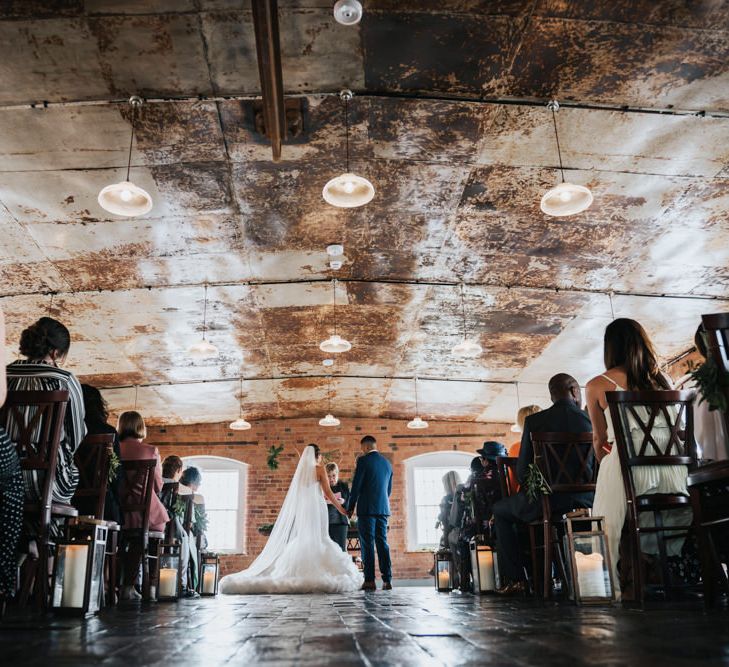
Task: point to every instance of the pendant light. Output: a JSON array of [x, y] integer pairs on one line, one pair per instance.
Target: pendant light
[[335, 344], [330, 419], [417, 423], [125, 198], [348, 12], [515, 428], [348, 190], [203, 349], [468, 349], [566, 198], [240, 424]]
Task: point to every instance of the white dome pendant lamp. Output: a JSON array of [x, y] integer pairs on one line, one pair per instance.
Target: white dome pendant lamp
[[329, 419], [417, 423], [348, 12], [240, 424], [467, 348], [125, 198], [566, 198], [348, 190], [203, 349], [335, 344]]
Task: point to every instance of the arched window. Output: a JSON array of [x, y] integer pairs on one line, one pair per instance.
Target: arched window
[[424, 475], [224, 488]]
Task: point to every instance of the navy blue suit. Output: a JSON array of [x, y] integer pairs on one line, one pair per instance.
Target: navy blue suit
[[371, 488]]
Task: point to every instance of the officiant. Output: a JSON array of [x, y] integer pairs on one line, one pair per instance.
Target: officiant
[[338, 523]]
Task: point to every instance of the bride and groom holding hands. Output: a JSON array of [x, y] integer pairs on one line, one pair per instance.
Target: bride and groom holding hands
[[299, 556]]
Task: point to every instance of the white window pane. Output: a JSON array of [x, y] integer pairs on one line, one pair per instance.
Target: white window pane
[[222, 532], [220, 488]]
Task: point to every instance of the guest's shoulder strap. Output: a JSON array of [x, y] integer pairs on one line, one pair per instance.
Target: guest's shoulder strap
[[609, 379]]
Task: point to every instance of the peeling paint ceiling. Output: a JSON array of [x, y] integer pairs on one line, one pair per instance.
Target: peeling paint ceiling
[[449, 124]]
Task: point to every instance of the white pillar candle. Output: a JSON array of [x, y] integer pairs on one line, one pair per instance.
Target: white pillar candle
[[590, 575], [486, 570], [443, 579], [74, 575], [167, 582], [209, 581]]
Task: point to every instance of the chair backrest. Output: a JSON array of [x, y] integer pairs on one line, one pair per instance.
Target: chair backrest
[[137, 488], [506, 465], [566, 460], [33, 421], [717, 335], [93, 459]]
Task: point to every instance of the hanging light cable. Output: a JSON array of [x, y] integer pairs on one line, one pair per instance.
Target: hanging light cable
[[417, 423], [566, 198], [125, 198], [240, 424], [466, 348], [203, 349], [515, 428], [348, 190], [335, 344], [330, 419]]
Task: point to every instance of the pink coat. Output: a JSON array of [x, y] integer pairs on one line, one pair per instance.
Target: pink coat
[[135, 450]]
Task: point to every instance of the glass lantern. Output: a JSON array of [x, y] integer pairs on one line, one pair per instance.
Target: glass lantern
[[591, 579], [169, 572], [78, 569], [208, 580], [484, 567], [443, 569]]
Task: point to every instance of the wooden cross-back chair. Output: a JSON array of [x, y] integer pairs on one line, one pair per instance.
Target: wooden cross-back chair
[[652, 428], [567, 462], [34, 423], [506, 466], [93, 459], [717, 338]]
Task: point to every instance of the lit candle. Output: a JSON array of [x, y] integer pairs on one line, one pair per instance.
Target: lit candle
[[167, 582], [590, 575], [209, 581], [443, 579], [486, 570], [74, 575]]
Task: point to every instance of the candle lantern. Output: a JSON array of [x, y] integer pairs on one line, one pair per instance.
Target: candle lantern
[[484, 567], [591, 580], [208, 580], [169, 572], [78, 570], [443, 569]]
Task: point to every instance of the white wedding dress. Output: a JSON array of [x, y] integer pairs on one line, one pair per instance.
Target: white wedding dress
[[299, 556]]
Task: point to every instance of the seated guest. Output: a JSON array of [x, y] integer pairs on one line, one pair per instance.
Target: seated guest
[[631, 365], [451, 532], [192, 479], [510, 513], [338, 523], [485, 484], [97, 416], [521, 415], [12, 494], [45, 346], [132, 432]]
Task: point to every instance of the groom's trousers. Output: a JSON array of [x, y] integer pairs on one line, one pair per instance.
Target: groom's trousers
[[373, 533]]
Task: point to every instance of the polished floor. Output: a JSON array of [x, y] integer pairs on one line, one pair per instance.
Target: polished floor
[[409, 626]]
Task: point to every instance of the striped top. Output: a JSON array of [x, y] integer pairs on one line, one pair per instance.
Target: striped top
[[24, 375]]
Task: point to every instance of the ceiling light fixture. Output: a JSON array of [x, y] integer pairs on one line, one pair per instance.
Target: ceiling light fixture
[[335, 250], [125, 198], [329, 419], [347, 12], [240, 424], [417, 423], [469, 349], [348, 190], [566, 198], [515, 428], [335, 344], [203, 349]]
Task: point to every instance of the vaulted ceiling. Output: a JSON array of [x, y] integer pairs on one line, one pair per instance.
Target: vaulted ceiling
[[448, 122]]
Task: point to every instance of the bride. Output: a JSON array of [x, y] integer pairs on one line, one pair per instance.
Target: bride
[[299, 556]]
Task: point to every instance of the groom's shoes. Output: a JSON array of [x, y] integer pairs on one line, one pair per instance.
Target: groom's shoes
[[369, 586], [386, 586]]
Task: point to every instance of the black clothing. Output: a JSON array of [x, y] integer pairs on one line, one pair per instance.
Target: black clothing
[[338, 533], [335, 518], [12, 495], [112, 504]]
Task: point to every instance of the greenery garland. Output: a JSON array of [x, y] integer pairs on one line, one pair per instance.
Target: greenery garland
[[711, 383], [535, 484], [114, 464], [273, 454]]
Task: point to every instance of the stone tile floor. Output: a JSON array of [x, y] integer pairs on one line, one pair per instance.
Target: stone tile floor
[[409, 626]]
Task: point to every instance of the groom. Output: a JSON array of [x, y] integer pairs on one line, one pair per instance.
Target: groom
[[371, 488]]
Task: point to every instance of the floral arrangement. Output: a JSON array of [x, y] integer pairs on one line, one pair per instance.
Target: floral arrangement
[[199, 519], [265, 529], [535, 484], [273, 454], [114, 464], [712, 384]]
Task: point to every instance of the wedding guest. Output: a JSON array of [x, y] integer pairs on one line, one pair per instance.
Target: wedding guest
[[11, 495], [631, 364], [132, 432], [486, 485], [97, 423], [511, 513], [192, 478], [338, 523], [45, 345], [521, 415]]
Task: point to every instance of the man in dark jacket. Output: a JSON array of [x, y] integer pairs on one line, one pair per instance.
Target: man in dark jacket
[[565, 416], [371, 488]]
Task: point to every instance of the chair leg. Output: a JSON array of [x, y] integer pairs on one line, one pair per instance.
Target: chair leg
[[535, 560], [560, 560], [146, 584], [28, 575], [547, 563]]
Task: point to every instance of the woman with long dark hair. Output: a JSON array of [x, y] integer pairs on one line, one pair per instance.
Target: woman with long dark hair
[[631, 365]]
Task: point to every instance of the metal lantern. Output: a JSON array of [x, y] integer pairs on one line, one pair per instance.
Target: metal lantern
[[484, 567], [443, 569], [589, 557], [209, 570], [78, 569], [169, 572]]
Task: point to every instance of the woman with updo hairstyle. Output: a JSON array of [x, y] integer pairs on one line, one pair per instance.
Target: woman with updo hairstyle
[[45, 346]]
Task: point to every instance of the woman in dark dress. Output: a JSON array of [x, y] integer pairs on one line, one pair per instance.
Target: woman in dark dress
[[338, 523]]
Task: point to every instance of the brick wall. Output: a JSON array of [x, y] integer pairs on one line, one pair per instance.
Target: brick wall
[[266, 488]]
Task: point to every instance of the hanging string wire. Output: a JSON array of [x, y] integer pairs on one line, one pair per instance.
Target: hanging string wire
[[417, 409], [240, 399], [346, 97], [612, 310], [205, 311], [136, 394], [134, 104], [518, 398], [334, 304], [463, 312], [553, 105], [50, 305], [329, 396]]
